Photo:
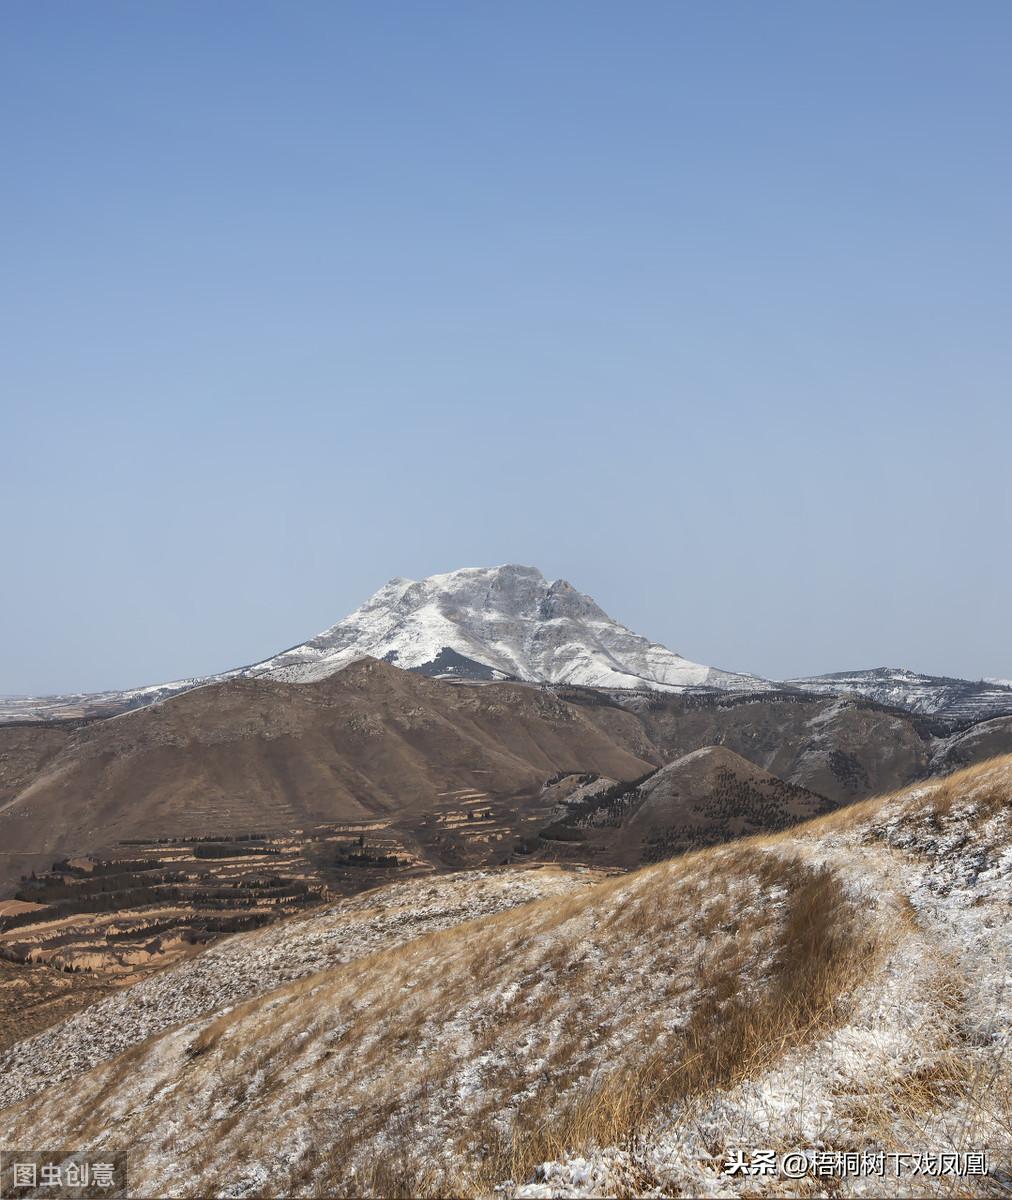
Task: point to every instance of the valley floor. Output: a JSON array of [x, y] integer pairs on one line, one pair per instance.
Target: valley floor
[[842, 987]]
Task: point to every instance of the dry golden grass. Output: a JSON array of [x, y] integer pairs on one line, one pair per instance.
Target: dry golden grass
[[984, 783], [467, 1057], [819, 952], [960, 1101], [757, 949], [936, 795], [823, 953]]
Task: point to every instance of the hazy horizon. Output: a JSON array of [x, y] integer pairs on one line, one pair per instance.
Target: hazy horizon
[[702, 308]]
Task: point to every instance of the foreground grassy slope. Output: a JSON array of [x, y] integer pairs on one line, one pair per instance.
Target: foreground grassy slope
[[843, 984], [250, 964]]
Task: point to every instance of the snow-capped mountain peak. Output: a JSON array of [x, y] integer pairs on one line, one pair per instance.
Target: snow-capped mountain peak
[[510, 622], [480, 623], [506, 621]]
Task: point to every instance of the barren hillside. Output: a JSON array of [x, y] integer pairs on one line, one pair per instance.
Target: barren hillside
[[374, 743], [708, 796], [840, 986], [258, 754], [713, 795]]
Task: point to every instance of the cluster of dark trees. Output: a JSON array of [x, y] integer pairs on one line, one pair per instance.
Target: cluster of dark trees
[[149, 930], [849, 769], [230, 850], [608, 807], [184, 841], [105, 867], [48, 888], [559, 831], [669, 843], [95, 903], [357, 854], [109, 893]]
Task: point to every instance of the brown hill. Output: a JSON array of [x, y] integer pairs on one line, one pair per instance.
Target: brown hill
[[259, 755], [708, 796], [844, 749], [373, 743], [24, 751], [985, 739], [713, 795]]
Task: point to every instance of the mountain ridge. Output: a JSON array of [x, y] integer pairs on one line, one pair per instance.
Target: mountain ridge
[[509, 618], [483, 624], [505, 622], [932, 695]]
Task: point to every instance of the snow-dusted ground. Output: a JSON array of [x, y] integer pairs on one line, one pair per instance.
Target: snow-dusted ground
[[942, 889], [252, 963], [408, 1070], [76, 704], [430, 1047]]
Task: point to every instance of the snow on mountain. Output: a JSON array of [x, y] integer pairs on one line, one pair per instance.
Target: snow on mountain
[[507, 621], [475, 623], [952, 699]]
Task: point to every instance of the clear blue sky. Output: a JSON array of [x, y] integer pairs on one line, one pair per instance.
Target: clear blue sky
[[703, 306]]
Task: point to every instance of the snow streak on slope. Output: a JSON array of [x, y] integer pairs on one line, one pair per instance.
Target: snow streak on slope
[[509, 619], [75, 705]]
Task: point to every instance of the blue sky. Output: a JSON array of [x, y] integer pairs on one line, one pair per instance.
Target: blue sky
[[704, 307]]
